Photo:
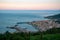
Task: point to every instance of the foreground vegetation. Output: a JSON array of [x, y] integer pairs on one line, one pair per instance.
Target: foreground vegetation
[[52, 34]]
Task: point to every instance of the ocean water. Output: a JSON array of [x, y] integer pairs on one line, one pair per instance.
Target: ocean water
[[10, 18]]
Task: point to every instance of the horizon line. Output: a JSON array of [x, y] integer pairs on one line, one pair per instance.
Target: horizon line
[[31, 9]]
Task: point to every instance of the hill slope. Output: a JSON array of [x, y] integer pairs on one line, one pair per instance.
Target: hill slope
[[54, 17], [57, 17]]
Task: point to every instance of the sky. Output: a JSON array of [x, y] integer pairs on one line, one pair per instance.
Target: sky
[[29, 4]]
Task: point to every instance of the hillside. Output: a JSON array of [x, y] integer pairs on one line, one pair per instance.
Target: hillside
[[57, 16], [52, 34]]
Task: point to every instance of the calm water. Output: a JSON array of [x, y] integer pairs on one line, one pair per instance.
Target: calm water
[[10, 18]]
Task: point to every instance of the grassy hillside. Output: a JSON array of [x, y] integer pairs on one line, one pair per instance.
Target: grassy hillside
[[46, 37], [52, 34]]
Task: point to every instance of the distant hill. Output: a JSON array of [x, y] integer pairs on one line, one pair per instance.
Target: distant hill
[[57, 16]]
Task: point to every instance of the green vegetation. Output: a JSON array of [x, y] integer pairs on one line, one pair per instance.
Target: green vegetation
[[47, 37], [52, 34]]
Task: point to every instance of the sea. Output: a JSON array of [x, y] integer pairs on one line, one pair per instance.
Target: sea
[[8, 18]]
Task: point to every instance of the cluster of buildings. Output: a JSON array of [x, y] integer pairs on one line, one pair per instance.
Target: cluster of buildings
[[45, 24]]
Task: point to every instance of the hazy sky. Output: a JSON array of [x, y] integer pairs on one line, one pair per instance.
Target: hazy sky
[[30, 4]]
